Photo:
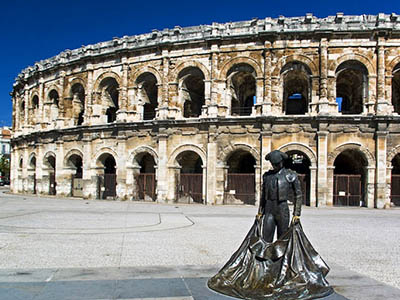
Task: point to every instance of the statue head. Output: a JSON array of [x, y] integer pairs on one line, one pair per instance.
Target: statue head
[[276, 158]]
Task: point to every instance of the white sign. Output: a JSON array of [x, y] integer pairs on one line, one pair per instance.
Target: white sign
[[342, 193]]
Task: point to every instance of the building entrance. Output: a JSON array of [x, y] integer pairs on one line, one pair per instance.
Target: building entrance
[[349, 179], [241, 178]]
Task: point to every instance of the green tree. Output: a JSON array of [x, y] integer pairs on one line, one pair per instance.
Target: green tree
[[5, 166]]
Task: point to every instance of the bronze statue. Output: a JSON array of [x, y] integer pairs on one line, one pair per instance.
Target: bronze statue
[[288, 268], [278, 185]]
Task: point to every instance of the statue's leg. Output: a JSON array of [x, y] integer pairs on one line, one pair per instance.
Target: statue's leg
[[269, 227], [283, 218]]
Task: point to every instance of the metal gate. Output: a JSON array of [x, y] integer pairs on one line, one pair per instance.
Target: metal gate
[[77, 185], [347, 190], [242, 186], [110, 185], [191, 185], [52, 183], [304, 188], [146, 184], [395, 190]]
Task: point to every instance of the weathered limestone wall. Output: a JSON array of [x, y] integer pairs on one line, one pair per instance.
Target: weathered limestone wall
[[94, 102]]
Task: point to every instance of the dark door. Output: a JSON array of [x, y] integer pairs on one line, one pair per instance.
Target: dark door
[[242, 186], [52, 184], [34, 183], [191, 185], [395, 190], [347, 190], [146, 183], [110, 185]]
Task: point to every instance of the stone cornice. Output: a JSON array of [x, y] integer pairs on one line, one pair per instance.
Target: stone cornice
[[217, 31]]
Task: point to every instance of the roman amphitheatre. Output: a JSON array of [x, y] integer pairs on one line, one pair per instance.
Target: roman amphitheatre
[[187, 114]]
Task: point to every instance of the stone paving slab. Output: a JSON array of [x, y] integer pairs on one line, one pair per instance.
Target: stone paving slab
[[162, 283]]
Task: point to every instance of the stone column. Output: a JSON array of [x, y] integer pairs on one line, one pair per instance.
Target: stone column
[[380, 180], [322, 178], [25, 187], [88, 96], [257, 109], [370, 188], [122, 111], [323, 105], [88, 175], [213, 106], [221, 182], [314, 99], [383, 106], [163, 111], [267, 104], [330, 173], [212, 159], [122, 192], [265, 148], [39, 169], [162, 180], [40, 118], [60, 176], [131, 172]]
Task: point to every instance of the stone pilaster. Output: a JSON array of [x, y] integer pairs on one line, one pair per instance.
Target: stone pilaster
[[380, 178], [322, 178], [123, 90], [212, 159], [383, 106], [266, 103], [162, 180], [61, 179], [90, 97], [88, 174], [122, 192]]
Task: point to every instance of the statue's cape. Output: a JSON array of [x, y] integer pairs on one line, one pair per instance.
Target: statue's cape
[[289, 268]]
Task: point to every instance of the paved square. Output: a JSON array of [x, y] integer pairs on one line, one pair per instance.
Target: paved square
[[77, 249]]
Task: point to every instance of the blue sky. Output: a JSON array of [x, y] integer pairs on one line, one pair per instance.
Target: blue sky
[[35, 30]]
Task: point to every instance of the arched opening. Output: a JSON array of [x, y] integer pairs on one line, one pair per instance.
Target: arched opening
[[146, 179], [22, 110], [350, 178], [242, 88], [78, 103], [35, 102], [32, 173], [240, 183], [108, 181], [50, 163], [21, 163], [191, 91], [34, 110], [54, 98], [351, 87], [75, 163], [300, 163], [190, 181], [396, 89], [148, 94], [395, 182], [296, 88], [109, 88]]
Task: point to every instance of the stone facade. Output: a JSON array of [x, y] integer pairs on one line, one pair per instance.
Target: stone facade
[[212, 100]]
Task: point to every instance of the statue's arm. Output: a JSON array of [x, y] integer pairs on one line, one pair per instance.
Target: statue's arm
[[298, 197], [262, 200]]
